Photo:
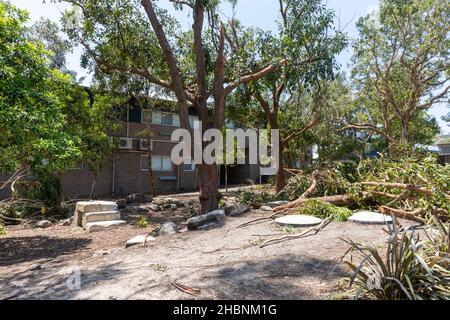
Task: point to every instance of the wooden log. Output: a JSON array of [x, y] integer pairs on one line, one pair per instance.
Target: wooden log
[[402, 214]]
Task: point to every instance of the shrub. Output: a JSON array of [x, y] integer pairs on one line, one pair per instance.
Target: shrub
[[413, 269], [325, 210], [259, 198], [142, 222], [2, 230]]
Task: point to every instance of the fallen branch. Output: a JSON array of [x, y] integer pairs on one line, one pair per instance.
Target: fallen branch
[[336, 200], [313, 230], [402, 214], [404, 186], [186, 289]]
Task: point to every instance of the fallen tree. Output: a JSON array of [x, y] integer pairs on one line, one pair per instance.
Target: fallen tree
[[408, 189]]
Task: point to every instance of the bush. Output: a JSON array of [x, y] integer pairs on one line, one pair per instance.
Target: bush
[[142, 222], [257, 198], [325, 210], [412, 269], [2, 230]]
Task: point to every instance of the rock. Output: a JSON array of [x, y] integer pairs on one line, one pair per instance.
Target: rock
[[265, 208], [43, 224], [139, 198], [138, 240], [168, 229], [214, 216], [235, 209], [121, 203], [154, 207], [35, 267], [173, 206], [142, 209], [298, 221], [369, 217], [167, 206], [66, 222], [276, 204], [100, 253], [98, 226]]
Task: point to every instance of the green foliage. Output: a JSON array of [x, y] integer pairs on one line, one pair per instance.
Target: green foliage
[[2, 230], [425, 172], [222, 203], [400, 70], [412, 269], [142, 222], [325, 210], [44, 187], [33, 100], [257, 197]]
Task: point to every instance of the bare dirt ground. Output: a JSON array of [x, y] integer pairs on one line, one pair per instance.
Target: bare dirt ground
[[224, 263]]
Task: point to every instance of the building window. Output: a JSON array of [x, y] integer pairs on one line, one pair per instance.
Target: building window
[[189, 165], [159, 163], [161, 118], [146, 116]]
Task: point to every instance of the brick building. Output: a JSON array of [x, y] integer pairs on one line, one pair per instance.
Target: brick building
[[126, 170]]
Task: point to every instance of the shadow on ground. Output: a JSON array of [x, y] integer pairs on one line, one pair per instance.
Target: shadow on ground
[[287, 277], [59, 282], [24, 249]]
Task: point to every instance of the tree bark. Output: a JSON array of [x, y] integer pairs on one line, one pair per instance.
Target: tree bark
[[94, 182], [209, 191]]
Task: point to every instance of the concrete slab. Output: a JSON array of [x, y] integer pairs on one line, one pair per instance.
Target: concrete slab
[[370, 217], [100, 216], [97, 226], [96, 206], [298, 221]]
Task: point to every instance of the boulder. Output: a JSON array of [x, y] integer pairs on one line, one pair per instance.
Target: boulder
[[235, 209], [275, 204], [138, 240], [168, 229], [153, 207], [265, 208], [139, 198], [214, 216], [43, 224], [121, 203], [66, 222]]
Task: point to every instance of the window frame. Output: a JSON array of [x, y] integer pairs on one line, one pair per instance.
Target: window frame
[[161, 159]]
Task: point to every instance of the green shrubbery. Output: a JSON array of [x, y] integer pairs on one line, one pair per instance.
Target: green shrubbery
[[2, 230], [325, 210], [257, 197], [142, 222]]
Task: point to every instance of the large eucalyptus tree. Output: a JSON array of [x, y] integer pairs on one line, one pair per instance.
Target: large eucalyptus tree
[[199, 67], [401, 67], [309, 42]]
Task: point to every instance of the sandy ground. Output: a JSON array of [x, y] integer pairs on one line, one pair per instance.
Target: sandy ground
[[224, 263]]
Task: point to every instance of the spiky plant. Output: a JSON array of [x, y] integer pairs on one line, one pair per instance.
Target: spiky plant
[[412, 269]]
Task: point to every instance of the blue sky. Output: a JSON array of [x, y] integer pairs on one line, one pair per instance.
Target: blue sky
[[258, 13]]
